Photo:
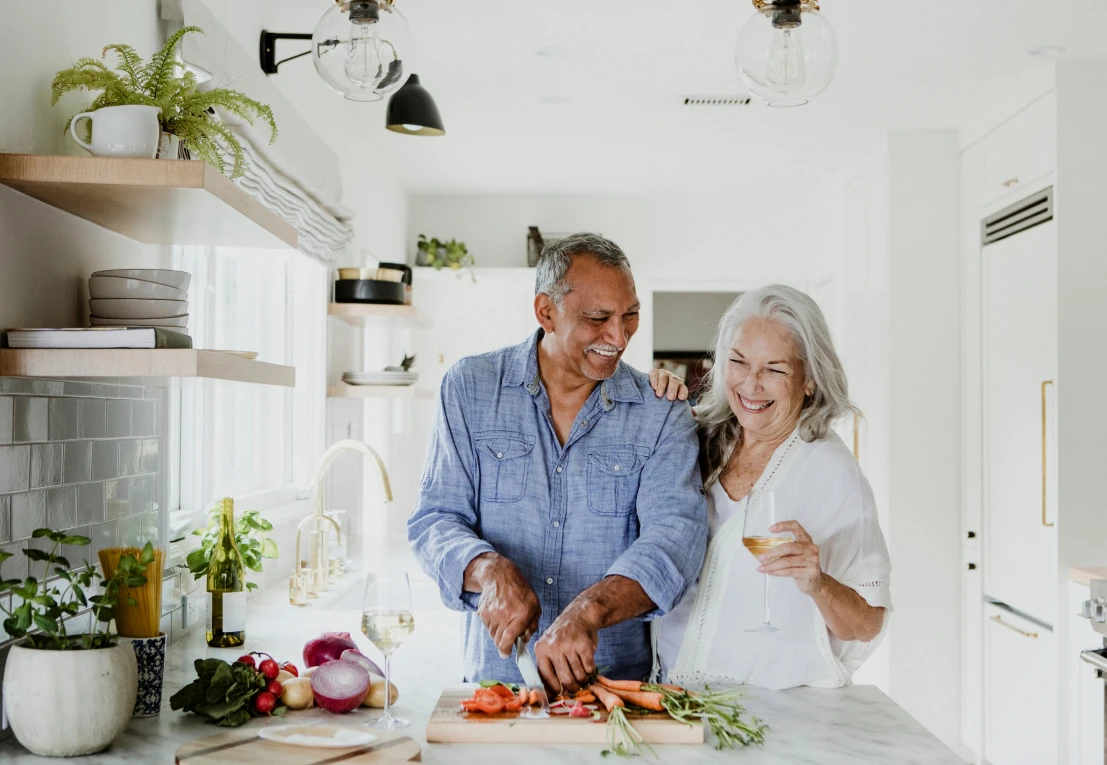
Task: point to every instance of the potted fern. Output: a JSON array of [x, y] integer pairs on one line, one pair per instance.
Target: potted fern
[[187, 111]]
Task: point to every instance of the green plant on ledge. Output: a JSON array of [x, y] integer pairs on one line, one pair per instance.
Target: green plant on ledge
[[186, 111], [442, 254], [46, 603], [251, 534]]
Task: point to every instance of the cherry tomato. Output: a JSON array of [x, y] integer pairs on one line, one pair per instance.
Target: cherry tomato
[[290, 668], [514, 704], [275, 688], [469, 705], [269, 668], [264, 702], [248, 660], [502, 691]]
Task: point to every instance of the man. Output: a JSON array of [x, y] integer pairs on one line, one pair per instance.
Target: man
[[561, 498]]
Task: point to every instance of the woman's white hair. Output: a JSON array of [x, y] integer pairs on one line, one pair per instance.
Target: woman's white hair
[[800, 315]]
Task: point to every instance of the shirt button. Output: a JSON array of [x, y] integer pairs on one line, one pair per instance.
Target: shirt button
[[557, 524], [499, 455], [584, 424], [559, 468], [549, 580], [616, 468]]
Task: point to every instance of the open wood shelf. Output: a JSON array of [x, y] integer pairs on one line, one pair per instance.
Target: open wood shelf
[[342, 390], [154, 201], [360, 314], [128, 362]]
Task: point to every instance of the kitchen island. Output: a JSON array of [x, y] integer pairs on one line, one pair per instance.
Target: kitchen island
[[829, 727]]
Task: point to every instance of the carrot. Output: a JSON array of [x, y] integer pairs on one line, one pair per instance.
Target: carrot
[[643, 699], [620, 685], [668, 687], [584, 697], [607, 698], [533, 698]]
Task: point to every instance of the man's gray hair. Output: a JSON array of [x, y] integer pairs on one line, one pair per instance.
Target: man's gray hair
[[558, 256], [800, 315]]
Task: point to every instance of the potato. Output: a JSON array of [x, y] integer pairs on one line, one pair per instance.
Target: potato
[[375, 697], [284, 675], [297, 694]]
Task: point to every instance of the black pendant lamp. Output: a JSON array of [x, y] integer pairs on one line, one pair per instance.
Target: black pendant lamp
[[412, 111]]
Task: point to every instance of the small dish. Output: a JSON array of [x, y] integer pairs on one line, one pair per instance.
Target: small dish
[[126, 308], [318, 736], [177, 279], [119, 287], [180, 322]]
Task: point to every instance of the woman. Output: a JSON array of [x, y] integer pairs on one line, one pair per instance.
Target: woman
[[776, 387]]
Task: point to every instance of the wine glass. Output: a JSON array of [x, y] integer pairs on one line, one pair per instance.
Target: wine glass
[[387, 621], [761, 513]]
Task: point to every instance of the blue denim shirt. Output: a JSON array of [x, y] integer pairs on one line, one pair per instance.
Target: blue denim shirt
[[622, 497]]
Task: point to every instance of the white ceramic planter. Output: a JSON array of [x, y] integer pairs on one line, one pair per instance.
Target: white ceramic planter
[[67, 703]]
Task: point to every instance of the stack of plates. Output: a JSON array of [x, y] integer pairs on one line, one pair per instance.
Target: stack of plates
[[139, 297], [380, 378]]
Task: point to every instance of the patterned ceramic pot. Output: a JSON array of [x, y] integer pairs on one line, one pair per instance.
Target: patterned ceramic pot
[[69, 702], [150, 656]]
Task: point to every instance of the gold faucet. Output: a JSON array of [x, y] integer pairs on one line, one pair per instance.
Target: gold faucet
[[308, 582]]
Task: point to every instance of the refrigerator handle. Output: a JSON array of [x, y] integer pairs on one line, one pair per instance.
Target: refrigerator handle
[[1045, 384], [999, 620]]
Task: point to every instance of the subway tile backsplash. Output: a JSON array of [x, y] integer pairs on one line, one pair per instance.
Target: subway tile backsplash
[[88, 458]]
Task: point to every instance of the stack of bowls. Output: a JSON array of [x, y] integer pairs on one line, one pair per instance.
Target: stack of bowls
[[139, 297]]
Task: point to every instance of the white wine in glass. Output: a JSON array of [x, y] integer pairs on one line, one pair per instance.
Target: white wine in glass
[[387, 621], [761, 513]]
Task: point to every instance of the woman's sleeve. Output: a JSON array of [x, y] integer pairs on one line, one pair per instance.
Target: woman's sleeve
[[858, 558]]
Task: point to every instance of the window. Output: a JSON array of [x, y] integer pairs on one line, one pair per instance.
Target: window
[[252, 442]]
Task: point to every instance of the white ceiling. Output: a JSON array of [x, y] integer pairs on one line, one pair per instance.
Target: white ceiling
[[927, 64]]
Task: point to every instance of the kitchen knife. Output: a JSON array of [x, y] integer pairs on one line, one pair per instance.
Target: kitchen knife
[[532, 679]]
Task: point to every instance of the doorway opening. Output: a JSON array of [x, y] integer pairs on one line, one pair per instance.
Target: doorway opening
[[684, 325]]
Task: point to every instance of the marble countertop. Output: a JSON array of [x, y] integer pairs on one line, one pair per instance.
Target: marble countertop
[[829, 727]]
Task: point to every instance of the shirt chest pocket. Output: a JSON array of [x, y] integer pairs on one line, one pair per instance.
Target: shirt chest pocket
[[614, 473], [504, 463]]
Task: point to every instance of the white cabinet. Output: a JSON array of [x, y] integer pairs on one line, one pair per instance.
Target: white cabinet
[[1020, 375], [972, 649], [1021, 660], [1020, 151]]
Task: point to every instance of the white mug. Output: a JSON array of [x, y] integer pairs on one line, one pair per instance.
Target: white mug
[[121, 131]]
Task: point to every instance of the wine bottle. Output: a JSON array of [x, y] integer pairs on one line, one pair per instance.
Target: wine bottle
[[226, 586]]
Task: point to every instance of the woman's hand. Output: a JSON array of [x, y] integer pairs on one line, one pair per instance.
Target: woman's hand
[[798, 560], [666, 384]]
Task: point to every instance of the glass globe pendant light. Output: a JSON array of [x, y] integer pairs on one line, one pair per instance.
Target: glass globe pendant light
[[363, 49], [787, 52]]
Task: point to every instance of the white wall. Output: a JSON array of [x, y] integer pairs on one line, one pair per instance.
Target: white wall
[[1082, 318], [47, 255]]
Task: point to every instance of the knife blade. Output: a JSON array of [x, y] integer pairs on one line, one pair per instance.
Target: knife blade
[[529, 670]]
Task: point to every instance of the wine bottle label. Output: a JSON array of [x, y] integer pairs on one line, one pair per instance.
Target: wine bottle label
[[234, 611], [228, 614]]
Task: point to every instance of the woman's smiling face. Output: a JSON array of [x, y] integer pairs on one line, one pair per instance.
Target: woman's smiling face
[[765, 380]]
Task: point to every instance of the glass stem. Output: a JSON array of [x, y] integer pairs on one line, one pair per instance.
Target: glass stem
[[388, 686], [767, 617]]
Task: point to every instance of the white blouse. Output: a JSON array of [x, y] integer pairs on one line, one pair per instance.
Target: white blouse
[[704, 640]]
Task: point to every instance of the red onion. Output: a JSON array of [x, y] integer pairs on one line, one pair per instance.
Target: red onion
[[340, 686], [327, 647], [357, 657]]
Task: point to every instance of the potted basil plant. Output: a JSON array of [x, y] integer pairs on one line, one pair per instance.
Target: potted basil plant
[[66, 694]]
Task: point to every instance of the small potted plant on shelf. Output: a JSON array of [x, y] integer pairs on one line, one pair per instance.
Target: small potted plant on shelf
[[251, 534], [187, 112], [68, 695], [439, 254]]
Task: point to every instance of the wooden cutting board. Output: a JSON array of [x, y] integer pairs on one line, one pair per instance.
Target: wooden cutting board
[[245, 748], [450, 724]]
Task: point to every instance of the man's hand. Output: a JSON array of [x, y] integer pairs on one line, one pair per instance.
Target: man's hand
[[508, 606], [566, 652]]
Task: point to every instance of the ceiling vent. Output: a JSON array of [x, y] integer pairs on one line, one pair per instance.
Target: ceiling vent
[[1033, 211], [717, 100]]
